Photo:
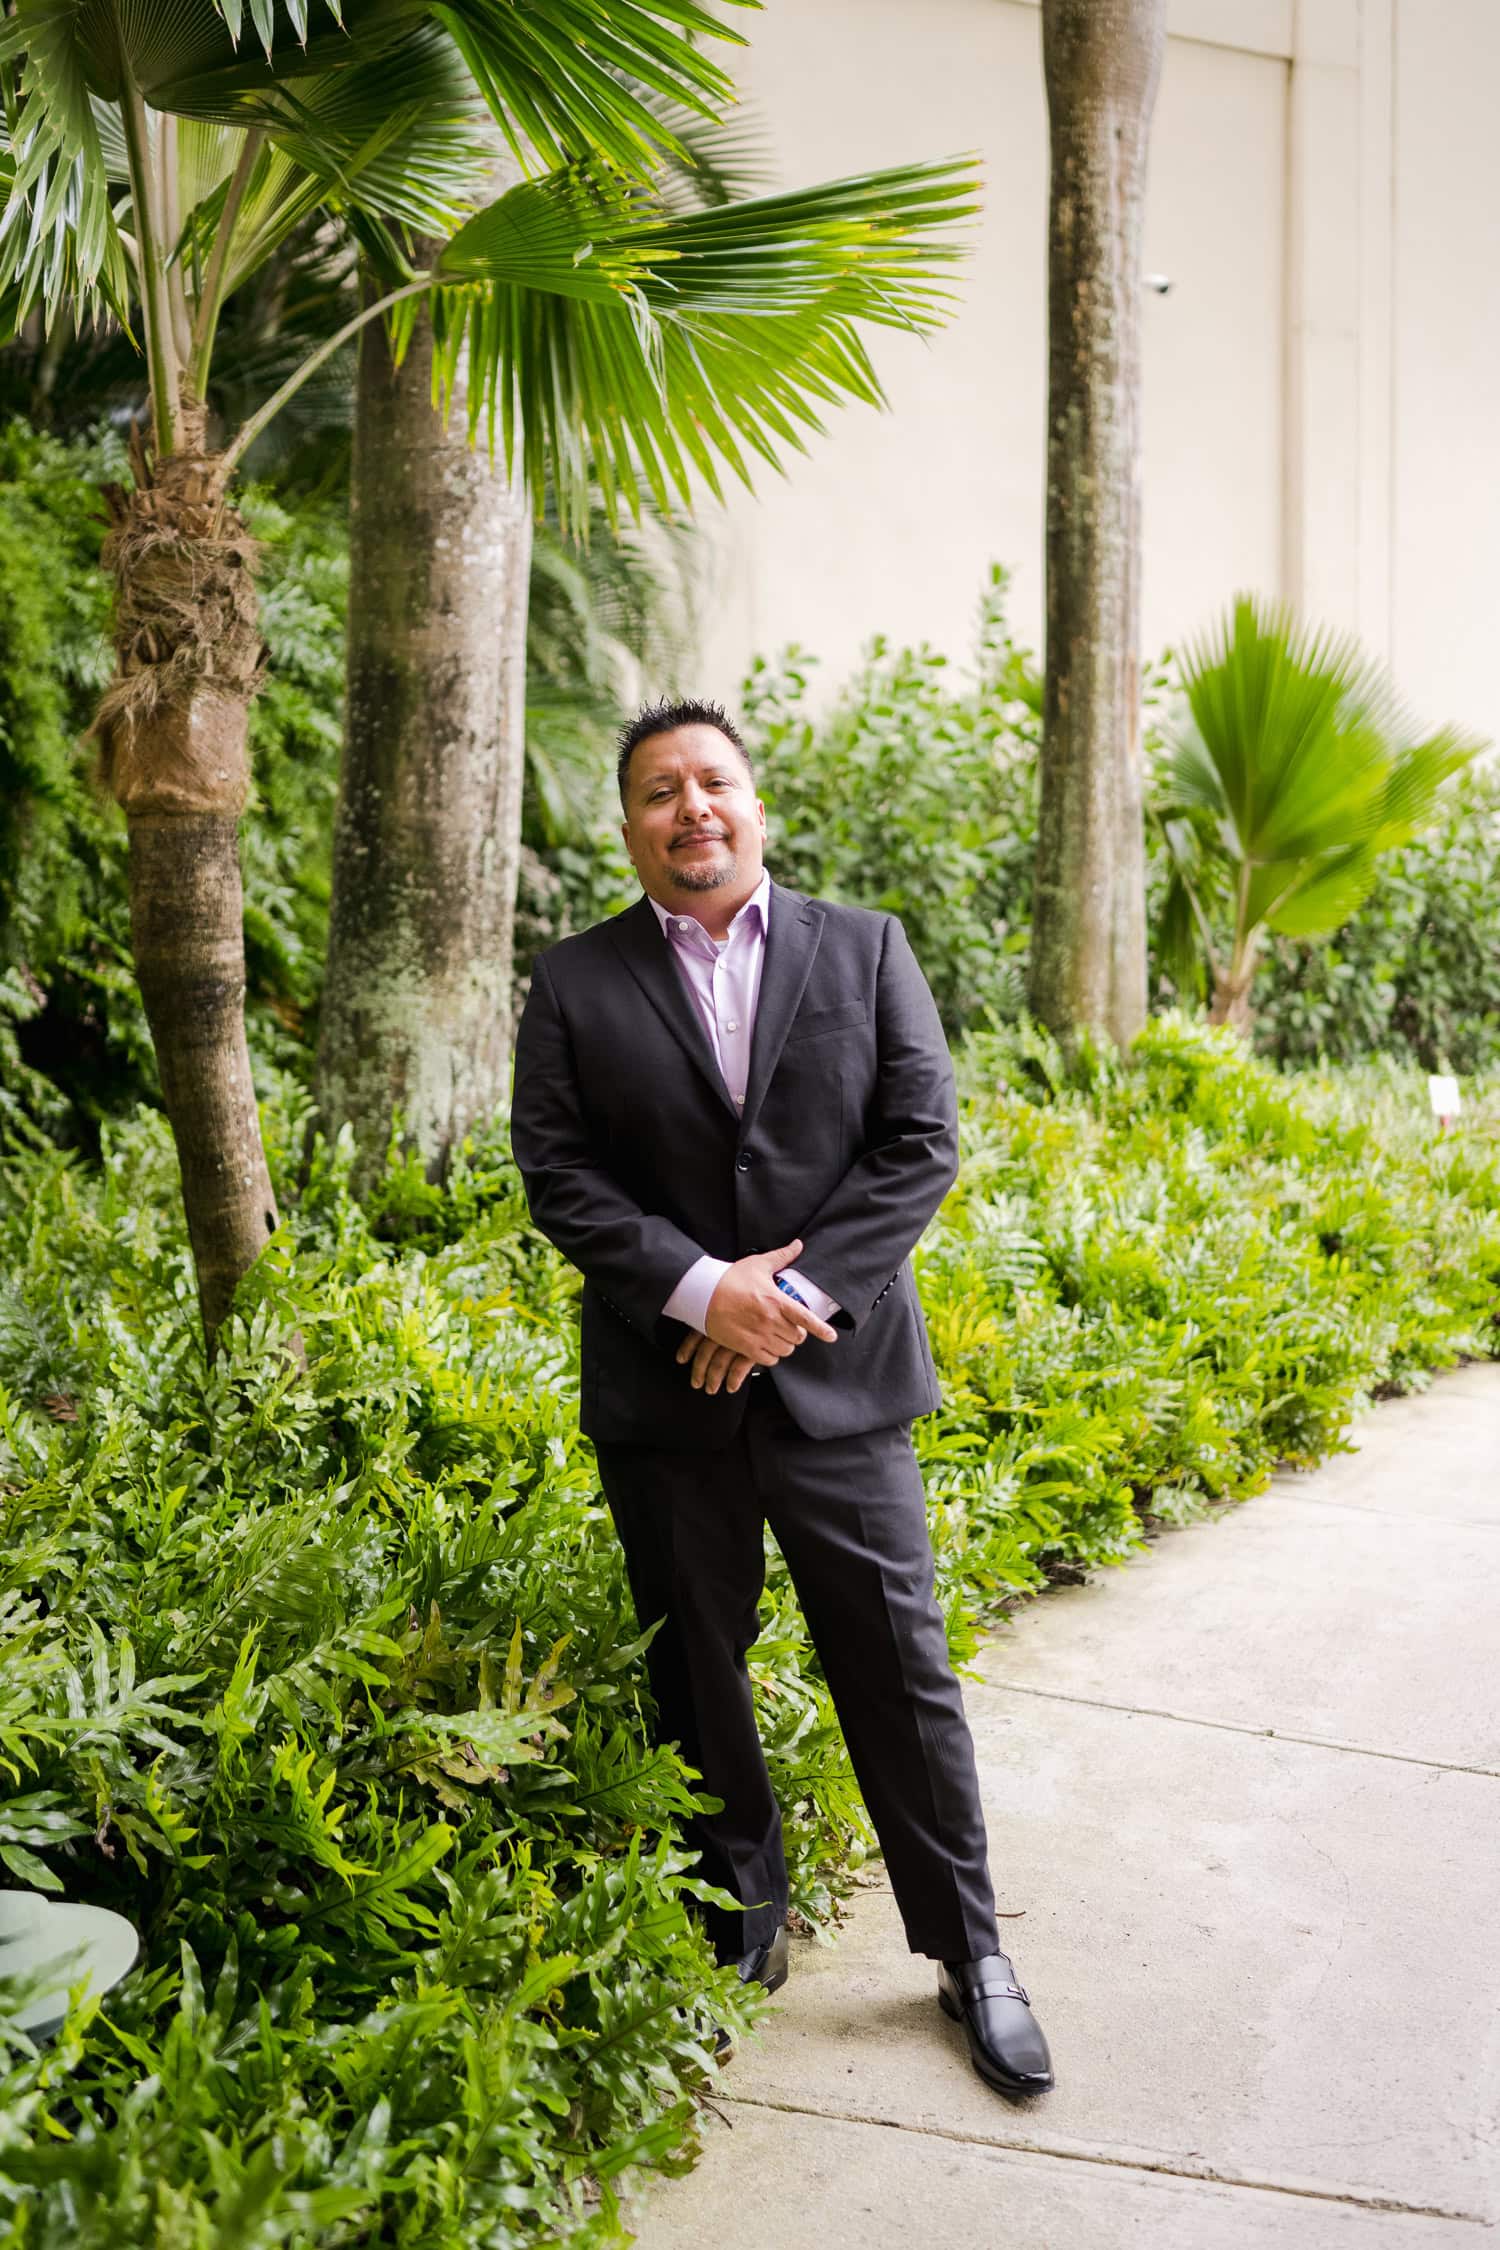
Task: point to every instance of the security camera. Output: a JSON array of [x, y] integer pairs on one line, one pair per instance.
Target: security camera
[[1160, 282]]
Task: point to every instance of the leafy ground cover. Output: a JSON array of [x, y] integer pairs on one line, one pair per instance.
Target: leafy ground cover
[[326, 1674]]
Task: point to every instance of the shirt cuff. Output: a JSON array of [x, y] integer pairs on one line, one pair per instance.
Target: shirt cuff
[[818, 1300], [689, 1300]]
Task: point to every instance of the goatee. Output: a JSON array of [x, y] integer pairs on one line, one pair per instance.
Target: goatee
[[691, 878]]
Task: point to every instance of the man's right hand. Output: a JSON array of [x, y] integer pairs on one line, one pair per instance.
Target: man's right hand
[[751, 1317]]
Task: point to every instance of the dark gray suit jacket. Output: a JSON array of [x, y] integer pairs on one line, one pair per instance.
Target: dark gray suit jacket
[[635, 1161]]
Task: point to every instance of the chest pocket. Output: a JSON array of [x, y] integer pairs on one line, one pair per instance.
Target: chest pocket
[[816, 1023]]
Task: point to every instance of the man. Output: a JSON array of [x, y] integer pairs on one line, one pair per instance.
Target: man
[[734, 1112]]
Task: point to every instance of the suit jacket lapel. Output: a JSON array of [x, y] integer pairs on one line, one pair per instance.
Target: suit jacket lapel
[[643, 945], [794, 927]]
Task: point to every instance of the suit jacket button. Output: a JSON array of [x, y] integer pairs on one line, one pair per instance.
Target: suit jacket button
[[744, 1160]]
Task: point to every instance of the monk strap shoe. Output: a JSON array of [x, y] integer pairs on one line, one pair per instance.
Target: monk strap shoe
[[1005, 2039]]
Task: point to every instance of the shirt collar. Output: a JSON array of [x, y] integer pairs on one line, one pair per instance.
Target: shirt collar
[[758, 903]]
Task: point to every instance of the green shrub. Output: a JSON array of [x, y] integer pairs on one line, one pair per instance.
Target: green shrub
[[1414, 973], [61, 874], [74, 1046], [327, 1677], [326, 1673], [916, 794]]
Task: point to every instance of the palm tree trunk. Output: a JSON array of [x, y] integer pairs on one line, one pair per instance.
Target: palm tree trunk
[[1088, 946], [1234, 979], [417, 994], [173, 729], [1231, 1000]]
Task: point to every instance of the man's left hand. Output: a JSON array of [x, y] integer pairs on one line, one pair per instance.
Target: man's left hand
[[714, 1365]]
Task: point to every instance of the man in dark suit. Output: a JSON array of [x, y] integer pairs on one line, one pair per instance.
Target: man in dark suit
[[734, 1112]]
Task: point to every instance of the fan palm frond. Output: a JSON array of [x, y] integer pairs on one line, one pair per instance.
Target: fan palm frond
[[1294, 766], [562, 78], [658, 345]]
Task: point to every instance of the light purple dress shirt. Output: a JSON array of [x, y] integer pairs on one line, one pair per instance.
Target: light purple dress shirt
[[722, 977]]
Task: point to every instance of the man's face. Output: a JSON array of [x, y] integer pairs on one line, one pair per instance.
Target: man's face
[[693, 822]]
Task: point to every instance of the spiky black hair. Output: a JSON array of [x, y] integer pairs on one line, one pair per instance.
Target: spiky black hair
[[664, 718]]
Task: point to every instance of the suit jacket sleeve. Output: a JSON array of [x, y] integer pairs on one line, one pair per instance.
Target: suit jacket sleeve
[[635, 1260], [860, 1236]]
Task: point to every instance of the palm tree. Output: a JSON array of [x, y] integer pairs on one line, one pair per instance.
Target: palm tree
[[150, 166], [442, 718], [1087, 970], [1293, 768]]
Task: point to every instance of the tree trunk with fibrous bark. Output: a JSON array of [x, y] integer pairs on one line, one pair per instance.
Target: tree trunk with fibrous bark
[[173, 731]]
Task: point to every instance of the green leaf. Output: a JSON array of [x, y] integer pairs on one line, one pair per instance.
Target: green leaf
[[59, 237], [601, 330], [27, 1868], [1321, 895], [1294, 766], [561, 78]]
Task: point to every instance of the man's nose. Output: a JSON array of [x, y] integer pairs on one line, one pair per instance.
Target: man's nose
[[693, 803]]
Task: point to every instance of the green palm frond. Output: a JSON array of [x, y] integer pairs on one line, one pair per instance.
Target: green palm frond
[[59, 238], [382, 115], [206, 157], [1293, 725], [398, 141], [1294, 766], [663, 345], [1308, 898], [709, 162], [869, 236], [1416, 776], [1299, 742], [562, 78], [263, 18]]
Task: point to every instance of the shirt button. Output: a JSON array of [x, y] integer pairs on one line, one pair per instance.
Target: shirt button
[[732, 1025]]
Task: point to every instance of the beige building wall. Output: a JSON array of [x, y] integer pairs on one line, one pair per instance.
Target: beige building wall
[[1319, 379], [1444, 536]]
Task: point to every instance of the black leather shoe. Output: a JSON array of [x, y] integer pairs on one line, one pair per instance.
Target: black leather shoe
[[768, 1964], [1005, 2039]]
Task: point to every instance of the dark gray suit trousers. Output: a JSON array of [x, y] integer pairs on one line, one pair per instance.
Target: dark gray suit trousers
[[849, 1516]]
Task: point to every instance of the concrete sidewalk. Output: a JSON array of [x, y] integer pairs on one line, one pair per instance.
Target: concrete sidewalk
[[1244, 1807]]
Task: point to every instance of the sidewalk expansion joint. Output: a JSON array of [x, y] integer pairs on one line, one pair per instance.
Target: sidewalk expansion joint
[[1203, 2175], [1237, 1726]]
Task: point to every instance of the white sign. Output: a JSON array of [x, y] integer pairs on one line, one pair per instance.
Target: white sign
[[1444, 1096]]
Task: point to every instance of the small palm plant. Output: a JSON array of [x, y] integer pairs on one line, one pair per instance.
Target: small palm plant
[[1293, 767], [150, 165]]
